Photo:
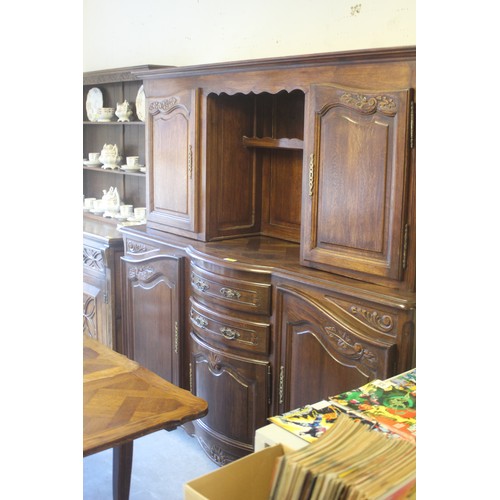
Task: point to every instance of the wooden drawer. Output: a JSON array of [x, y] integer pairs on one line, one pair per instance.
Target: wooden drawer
[[239, 295], [227, 331]]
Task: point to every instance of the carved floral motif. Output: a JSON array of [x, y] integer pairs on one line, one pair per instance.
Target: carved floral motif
[[163, 106], [141, 273], [352, 349], [93, 259], [367, 104]]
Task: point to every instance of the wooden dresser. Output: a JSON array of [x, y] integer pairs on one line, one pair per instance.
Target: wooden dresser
[[277, 266]]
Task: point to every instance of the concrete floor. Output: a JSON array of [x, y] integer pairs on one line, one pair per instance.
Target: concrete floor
[[162, 463]]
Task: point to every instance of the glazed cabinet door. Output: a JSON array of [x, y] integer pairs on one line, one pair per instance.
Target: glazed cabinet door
[[172, 144], [324, 352], [152, 313], [237, 391], [356, 180]]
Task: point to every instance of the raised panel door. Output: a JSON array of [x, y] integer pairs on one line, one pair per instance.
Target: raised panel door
[[152, 317], [356, 176], [323, 353], [237, 391], [172, 146]]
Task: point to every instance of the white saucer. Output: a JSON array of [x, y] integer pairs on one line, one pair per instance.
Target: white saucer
[[97, 211], [135, 168], [135, 219], [121, 217], [89, 163], [143, 170]]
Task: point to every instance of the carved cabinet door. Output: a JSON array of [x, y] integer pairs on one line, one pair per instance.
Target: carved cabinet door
[[356, 181], [323, 352], [152, 314], [172, 150], [97, 321], [237, 391]]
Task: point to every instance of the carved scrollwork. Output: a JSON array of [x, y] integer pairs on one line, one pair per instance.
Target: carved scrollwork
[[214, 364], [383, 322], [370, 104], [163, 106], [93, 259], [137, 247], [141, 273], [89, 317], [216, 453], [351, 349]]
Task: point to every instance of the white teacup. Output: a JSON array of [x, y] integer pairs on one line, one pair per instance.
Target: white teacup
[[94, 157], [88, 203], [140, 213], [126, 210], [132, 161]]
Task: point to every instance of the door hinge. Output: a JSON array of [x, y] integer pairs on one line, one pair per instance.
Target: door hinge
[[106, 298], [176, 338], [412, 124], [405, 245], [191, 377]]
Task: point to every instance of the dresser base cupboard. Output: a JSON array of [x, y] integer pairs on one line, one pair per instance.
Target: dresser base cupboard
[[277, 264]]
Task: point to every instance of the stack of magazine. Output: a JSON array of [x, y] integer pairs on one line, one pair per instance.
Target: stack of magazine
[[349, 461], [385, 406]]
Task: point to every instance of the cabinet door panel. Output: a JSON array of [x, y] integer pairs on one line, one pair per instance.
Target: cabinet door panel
[[235, 388], [152, 315], [323, 352], [357, 154], [172, 150]]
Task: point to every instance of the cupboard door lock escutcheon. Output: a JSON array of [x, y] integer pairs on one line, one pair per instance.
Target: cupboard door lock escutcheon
[[311, 174]]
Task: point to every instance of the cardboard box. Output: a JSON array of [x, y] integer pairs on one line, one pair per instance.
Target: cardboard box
[[249, 478]]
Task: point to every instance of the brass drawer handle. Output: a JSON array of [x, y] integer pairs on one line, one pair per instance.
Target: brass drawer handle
[[229, 333], [200, 284], [201, 322], [230, 294]]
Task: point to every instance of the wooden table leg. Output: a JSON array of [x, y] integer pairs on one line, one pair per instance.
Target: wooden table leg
[[122, 470]]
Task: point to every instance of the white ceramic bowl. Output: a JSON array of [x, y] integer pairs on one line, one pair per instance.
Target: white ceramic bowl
[[105, 114]]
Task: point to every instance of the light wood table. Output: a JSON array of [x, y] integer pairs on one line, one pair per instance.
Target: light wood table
[[123, 401]]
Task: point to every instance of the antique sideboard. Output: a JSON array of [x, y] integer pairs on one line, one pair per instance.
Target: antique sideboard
[[277, 265]]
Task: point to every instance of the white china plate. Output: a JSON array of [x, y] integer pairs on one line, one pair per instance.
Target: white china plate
[[126, 168], [121, 217], [89, 163], [94, 102], [135, 219], [140, 104], [97, 210]]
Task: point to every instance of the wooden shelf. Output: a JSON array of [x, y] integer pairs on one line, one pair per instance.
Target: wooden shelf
[[113, 123], [115, 171], [271, 143]]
